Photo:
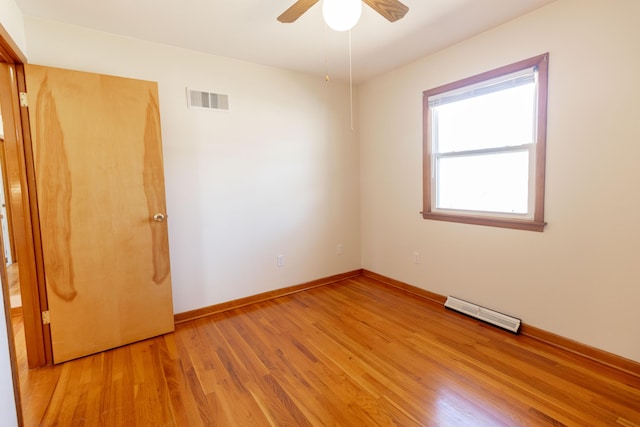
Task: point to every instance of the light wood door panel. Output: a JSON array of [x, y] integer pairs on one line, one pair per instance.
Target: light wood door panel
[[99, 180]]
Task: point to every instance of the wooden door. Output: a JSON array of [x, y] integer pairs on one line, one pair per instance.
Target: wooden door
[[99, 181]]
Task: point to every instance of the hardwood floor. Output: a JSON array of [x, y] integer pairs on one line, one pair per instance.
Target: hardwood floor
[[355, 353], [14, 279], [14, 287]]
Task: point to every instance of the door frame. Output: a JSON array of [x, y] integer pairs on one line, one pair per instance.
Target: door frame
[[25, 222]]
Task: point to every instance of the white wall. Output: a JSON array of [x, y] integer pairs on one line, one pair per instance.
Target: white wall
[[12, 21], [580, 278], [7, 403], [277, 174]]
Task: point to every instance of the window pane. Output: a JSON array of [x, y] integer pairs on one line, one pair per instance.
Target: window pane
[[489, 183], [499, 119]]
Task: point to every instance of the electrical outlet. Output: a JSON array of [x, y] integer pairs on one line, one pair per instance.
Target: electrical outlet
[[280, 260], [416, 257], [339, 249]]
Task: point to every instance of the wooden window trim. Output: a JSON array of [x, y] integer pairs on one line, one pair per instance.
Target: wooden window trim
[[535, 224]]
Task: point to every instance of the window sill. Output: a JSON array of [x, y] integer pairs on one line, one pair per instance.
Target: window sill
[[491, 222]]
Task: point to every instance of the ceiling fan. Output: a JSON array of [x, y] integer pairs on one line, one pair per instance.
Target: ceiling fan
[[392, 10]]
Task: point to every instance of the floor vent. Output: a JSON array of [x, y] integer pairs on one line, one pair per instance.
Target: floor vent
[[207, 100], [500, 320]]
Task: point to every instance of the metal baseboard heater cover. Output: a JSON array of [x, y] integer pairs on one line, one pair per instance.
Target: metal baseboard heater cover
[[495, 318]]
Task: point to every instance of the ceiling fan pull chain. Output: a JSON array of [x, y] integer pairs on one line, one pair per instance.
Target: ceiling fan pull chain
[[326, 54], [350, 81]]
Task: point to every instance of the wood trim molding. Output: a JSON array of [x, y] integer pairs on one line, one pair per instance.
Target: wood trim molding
[[603, 357], [430, 296], [513, 224], [29, 192], [25, 217], [242, 302], [9, 50], [537, 223], [611, 360], [10, 53]]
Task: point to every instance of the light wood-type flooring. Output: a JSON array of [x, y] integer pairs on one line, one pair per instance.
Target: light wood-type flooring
[[13, 277], [354, 353]]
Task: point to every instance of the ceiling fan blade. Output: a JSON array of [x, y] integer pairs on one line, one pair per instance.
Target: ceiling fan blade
[[296, 10], [392, 10]]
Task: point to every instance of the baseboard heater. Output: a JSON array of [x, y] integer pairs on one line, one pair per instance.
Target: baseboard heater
[[500, 320]]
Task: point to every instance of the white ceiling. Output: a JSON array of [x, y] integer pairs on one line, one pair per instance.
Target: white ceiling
[[248, 29]]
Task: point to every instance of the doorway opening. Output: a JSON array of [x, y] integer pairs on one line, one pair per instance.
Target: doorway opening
[[8, 249]]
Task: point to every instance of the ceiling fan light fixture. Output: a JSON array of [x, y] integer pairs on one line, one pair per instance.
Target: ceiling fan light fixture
[[341, 15]]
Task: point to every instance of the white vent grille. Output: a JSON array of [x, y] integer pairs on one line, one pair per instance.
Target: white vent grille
[[498, 319], [207, 100]]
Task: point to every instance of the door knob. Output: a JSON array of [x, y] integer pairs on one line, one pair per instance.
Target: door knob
[[159, 217]]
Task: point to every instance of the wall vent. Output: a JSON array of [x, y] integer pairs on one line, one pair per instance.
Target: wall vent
[[500, 320], [207, 100]]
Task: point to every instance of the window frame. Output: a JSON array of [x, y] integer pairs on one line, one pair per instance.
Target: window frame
[[536, 223]]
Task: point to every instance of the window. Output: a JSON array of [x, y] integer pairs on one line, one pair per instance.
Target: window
[[484, 147]]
